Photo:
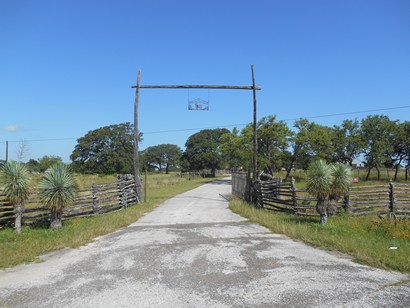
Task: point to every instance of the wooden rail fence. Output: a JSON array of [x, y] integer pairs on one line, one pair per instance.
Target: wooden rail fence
[[276, 195], [90, 201]]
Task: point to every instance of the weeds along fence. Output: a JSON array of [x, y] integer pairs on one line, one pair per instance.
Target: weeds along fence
[[90, 201], [276, 195]]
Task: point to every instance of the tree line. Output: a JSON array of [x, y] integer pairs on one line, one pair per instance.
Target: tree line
[[376, 141]]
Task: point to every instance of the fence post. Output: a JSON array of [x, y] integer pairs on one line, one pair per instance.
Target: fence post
[[391, 199], [96, 203], [248, 187], [258, 193], [293, 190], [121, 190], [346, 204]]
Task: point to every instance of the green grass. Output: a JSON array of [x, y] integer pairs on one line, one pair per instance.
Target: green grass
[[366, 239], [385, 176], [35, 241]]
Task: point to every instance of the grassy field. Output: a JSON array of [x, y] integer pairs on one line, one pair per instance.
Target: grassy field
[[35, 241], [369, 240], [360, 173], [153, 179]]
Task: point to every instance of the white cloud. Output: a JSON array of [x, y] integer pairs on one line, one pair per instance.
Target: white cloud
[[12, 128]]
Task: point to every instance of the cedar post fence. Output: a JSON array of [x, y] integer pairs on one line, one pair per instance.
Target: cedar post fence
[[90, 201], [346, 203], [293, 190], [96, 206], [273, 194], [391, 199]]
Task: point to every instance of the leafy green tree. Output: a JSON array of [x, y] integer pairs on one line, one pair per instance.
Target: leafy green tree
[[15, 183], [43, 163], [273, 141], [237, 150], [346, 142], [203, 150], [57, 189], [310, 141], [106, 150], [377, 133], [162, 155], [401, 147], [328, 183], [32, 165]]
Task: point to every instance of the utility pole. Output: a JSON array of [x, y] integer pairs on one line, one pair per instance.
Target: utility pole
[[255, 139], [137, 180], [7, 151]]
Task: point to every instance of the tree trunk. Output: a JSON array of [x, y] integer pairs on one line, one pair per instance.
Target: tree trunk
[[378, 173], [397, 170], [368, 173], [166, 168], [323, 218], [321, 208], [55, 219], [289, 169], [213, 171], [18, 212]]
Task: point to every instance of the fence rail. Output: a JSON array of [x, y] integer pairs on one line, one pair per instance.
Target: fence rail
[[90, 201], [276, 195]]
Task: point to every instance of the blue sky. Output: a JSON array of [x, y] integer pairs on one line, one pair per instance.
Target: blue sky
[[66, 67]]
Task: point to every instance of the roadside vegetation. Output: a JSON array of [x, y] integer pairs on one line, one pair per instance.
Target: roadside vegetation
[[380, 146], [368, 239], [36, 241]]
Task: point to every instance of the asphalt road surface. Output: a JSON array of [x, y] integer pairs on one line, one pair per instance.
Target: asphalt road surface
[[192, 251]]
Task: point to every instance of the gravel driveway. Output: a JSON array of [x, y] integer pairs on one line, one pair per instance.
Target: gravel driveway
[[192, 251]]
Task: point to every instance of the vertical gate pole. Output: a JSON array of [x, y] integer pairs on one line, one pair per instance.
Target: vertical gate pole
[[137, 180], [255, 140], [391, 200]]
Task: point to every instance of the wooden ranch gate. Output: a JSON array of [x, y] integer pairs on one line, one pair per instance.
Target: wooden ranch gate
[[137, 88]]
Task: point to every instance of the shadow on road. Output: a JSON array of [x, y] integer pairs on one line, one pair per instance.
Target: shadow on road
[[222, 182]]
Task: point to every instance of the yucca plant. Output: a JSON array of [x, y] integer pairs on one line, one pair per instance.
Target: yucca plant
[[328, 183], [15, 183], [319, 183], [342, 180], [57, 190]]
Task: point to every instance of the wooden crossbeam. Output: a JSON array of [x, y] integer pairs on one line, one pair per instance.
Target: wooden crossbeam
[[212, 87]]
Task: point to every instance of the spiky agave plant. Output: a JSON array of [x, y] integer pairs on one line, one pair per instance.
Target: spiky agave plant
[[342, 180], [15, 183], [319, 182], [57, 190]]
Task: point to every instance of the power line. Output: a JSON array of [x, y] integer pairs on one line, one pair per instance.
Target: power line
[[348, 113], [39, 140], [285, 120], [230, 125]]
